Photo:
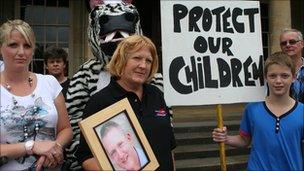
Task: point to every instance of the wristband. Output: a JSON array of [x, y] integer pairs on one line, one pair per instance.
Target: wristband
[[57, 143], [29, 145]]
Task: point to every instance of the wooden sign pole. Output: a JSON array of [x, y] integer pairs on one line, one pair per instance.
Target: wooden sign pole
[[220, 124]]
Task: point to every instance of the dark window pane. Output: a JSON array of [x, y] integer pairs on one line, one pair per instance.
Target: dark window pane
[[51, 3], [25, 2], [38, 66], [51, 34], [65, 46], [22, 13], [63, 3], [50, 15], [63, 15], [38, 15], [38, 2], [28, 15], [39, 33], [265, 24], [63, 34], [264, 10], [265, 39], [49, 45], [265, 53], [38, 51]]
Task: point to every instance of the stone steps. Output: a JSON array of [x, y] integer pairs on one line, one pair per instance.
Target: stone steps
[[205, 150], [206, 113], [203, 126], [233, 163], [193, 132]]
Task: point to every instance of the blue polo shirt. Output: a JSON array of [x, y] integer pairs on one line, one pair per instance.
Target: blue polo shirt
[[276, 141]]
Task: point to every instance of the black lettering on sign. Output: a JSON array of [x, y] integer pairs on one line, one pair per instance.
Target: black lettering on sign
[[179, 12], [226, 20], [194, 15], [210, 83], [236, 67], [199, 74], [176, 65], [201, 45], [239, 27], [224, 72], [251, 12]]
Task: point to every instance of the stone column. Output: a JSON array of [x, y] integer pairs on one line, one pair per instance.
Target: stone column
[[78, 45], [279, 18]]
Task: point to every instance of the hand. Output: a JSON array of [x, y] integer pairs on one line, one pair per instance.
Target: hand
[[57, 153], [49, 164], [51, 150], [219, 135], [43, 147], [39, 163]]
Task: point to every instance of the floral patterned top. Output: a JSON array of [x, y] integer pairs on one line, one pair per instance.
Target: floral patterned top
[[31, 117]]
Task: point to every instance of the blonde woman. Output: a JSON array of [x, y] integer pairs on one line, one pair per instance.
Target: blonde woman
[[34, 121]]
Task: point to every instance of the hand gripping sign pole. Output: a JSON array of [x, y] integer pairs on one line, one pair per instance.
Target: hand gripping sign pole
[[221, 144]]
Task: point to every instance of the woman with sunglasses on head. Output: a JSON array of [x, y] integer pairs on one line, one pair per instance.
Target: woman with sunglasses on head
[[34, 122], [291, 42]]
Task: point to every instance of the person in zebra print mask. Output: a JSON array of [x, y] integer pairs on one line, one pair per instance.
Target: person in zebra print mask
[[92, 77]]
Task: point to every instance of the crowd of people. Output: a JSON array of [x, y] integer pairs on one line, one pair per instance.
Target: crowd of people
[[35, 127]]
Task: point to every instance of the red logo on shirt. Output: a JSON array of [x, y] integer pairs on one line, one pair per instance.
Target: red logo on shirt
[[161, 112]]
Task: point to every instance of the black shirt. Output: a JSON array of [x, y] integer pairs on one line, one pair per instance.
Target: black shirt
[[152, 113], [65, 86]]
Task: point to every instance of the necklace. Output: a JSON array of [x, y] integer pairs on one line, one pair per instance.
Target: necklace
[[34, 111], [29, 80]]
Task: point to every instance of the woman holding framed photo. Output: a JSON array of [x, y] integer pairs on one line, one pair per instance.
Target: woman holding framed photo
[[132, 66]]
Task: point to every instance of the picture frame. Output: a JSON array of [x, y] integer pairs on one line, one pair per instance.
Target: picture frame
[[103, 148]]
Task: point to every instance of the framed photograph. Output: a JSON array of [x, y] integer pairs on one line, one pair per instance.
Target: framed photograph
[[117, 140]]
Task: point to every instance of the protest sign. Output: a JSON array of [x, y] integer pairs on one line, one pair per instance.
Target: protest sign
[[212, 52]]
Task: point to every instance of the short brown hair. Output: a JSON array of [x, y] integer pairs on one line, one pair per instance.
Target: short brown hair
[[130, 45], [279, 58], [54, 52]]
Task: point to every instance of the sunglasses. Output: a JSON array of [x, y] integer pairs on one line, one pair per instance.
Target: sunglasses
[[290, 42]]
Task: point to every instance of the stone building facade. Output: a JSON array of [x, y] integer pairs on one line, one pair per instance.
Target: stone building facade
[[64, 23]]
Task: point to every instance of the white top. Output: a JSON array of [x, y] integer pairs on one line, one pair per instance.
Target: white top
[[103, 80], [1, 66], [32, 111]]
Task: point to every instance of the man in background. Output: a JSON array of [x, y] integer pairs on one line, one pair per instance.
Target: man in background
[[55, 60], [291, 42]]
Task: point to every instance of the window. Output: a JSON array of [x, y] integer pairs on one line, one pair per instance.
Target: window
[[50, 22]]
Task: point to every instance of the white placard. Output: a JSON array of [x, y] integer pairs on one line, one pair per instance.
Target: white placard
[[212, 52]]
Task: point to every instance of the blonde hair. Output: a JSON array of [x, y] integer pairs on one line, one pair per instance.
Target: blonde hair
[[125, 48], [279, 58], [22, 27]]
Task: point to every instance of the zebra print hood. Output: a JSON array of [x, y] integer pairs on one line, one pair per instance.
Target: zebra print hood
[[108, 24]]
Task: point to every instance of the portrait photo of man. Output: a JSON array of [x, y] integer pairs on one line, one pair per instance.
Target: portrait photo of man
[[122, 146]]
